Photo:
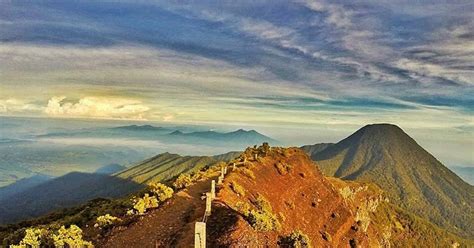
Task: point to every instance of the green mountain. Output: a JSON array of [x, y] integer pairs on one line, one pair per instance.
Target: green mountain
[[412, 177]]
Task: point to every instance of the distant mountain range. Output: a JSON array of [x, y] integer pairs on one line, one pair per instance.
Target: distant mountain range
[[412, 177], [169, 135], [239, 136]]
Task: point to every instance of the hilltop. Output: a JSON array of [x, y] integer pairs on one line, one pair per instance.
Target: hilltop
[[412, 178]]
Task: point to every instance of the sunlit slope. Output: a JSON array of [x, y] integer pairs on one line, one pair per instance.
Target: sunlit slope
[[166, 166]]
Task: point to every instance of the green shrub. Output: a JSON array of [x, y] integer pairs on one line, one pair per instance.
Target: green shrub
[[34, 237], [161, 191], [243, 208], [141, 205], [263, 221], [262, 204], [63, 237], [296, 239], [246, 172], [237, 188], [70, 237], [107, 220], [283, 169], [183, 181]]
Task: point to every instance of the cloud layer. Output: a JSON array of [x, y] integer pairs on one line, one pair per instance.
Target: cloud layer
[[290, 64]]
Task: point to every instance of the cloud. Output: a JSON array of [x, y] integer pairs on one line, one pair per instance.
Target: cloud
[[13, 105], [97, 107], [168, 117]]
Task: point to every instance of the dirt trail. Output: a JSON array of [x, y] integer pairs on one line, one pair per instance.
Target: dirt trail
[[171, 225]]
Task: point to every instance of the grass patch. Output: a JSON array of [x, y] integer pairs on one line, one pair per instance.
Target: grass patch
[[239, 190], [295, 239]]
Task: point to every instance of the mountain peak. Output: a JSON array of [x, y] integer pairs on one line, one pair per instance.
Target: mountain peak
[[177, 132], [386, 155]]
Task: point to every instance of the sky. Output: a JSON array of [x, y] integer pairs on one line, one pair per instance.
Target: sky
[[303, 71]]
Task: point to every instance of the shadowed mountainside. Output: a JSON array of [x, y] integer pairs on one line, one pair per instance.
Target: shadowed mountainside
[[66, 191], [413, 179], [22, 184]]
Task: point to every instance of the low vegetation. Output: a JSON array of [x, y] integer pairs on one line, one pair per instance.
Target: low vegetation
[[246, 172], [183, 181], [239, 190], [296, 239], [283, 168], [262, 218], [106, 220], [60, 238], [161, 191], [141, 205]]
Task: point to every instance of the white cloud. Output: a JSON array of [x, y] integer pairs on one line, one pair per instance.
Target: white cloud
[[13, 105], [97, 107]]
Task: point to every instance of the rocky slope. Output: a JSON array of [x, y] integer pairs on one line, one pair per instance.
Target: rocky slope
[[412, 178]]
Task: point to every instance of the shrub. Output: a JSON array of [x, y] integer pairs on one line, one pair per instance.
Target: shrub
[[63, 237], [106, 220], [263, 221], [296, 239], [34, 237], [183, 181], [246, 172], [237, 188], [262, 204], [161, 191], [72, 237], [141, 205], [243, 208], [283, 169]]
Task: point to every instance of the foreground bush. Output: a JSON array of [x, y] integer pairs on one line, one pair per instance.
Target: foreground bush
[[141, 205], [63, 237], [183, 181], [263, 221], [263, 218], [239, 190], [70, 237], [106, 220], [161, 191], [296, 239], [34, 237]]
